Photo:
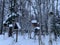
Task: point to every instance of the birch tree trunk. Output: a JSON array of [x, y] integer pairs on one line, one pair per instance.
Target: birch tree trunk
[[50, 28], [40, 20]]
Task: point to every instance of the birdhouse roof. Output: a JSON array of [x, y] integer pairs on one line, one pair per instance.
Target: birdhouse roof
[[10, 25], [37, 28], [4, 22], [34, 21]]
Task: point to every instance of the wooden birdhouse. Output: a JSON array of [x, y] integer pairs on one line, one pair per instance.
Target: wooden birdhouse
[[34, 23]]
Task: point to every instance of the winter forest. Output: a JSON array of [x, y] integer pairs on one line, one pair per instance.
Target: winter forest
[[29, 22]]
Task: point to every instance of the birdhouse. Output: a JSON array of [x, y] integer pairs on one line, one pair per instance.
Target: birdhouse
[[34, 23]]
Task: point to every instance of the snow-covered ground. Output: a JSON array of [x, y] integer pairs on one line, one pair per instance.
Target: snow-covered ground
[[24, 40]]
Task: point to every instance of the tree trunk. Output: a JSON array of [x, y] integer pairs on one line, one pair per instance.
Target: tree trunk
[[2, 16], [10, 32]]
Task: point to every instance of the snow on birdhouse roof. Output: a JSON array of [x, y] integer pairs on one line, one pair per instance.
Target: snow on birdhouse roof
[[10, 25], [37, 28], [19, 27], [4, 22], [34, 21]]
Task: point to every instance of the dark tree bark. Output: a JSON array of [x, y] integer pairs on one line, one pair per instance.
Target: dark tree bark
[[10, 32], [2, 17]]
